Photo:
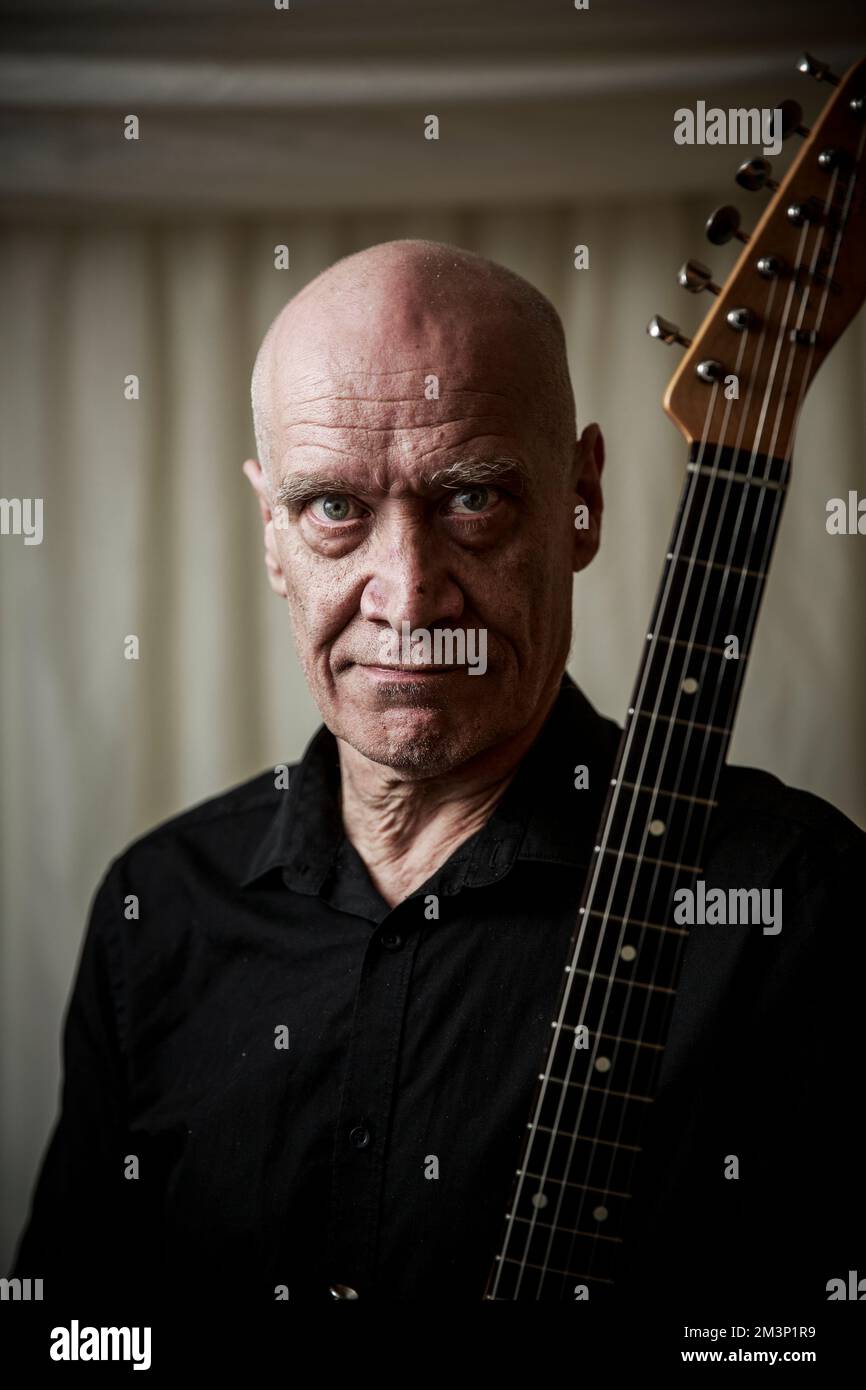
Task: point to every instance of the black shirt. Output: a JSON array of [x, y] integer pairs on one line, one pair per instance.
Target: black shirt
[[272, 1080]]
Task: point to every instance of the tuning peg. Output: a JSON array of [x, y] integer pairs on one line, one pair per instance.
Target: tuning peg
[[857, 106], [831, 159], [695, 276], [792, 119], [755, 174], [810, 210], [813, 67], [666, 332], [723, 224], [740, 319]]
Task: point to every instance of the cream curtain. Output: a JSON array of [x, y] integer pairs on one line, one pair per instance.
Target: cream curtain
[[150, 529]]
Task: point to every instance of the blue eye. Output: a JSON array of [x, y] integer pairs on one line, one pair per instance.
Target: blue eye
[[473, 499], [335, 506]]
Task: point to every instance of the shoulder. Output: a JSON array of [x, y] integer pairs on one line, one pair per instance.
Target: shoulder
[[764, 832], [756, 803], [216, 836]]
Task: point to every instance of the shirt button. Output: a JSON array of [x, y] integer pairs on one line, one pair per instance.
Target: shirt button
[[342, 1291], [359, 1137], [391, 940]]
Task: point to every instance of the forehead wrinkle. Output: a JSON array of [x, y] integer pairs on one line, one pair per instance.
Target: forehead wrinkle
[[464, 472], [346, 386]]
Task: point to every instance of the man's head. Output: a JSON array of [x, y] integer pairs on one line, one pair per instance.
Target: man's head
[[415, 422]]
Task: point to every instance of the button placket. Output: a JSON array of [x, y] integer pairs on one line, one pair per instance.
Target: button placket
[[372, 1067]]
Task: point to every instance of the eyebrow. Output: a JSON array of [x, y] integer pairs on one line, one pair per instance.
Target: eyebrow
[[302, 487]]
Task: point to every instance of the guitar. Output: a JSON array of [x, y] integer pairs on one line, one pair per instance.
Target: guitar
[[736, 397]]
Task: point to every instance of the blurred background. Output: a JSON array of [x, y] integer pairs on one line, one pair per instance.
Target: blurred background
[[304, 127]]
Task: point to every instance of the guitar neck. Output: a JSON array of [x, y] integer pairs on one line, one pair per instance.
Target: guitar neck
[[566, 1219]]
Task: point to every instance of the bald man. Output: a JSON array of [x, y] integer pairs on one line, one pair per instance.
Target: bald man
[[303, 1068]]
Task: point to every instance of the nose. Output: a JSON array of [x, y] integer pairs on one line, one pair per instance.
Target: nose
[[411, 582]]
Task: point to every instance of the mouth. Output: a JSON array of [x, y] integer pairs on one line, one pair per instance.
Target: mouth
[[407, 673]]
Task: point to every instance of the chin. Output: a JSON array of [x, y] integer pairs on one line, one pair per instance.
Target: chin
[[423, 741]]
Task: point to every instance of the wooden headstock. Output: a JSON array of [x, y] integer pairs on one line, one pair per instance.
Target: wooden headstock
[[797, 285]]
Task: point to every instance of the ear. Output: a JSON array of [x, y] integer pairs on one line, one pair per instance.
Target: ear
[[588, 501], [259, 484]]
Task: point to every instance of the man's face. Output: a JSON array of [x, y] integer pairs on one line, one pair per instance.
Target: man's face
[[371, 540]]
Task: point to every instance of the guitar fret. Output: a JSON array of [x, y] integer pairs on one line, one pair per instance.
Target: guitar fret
[[613, 1037], [588, 1138], [565, 1230], [695, 646], [687, 723], [565, 1182], [619, 980], [708, 469], [601, 1090], [717, 565], [636, 922], [632, 922], [660, 791], [545, 1269], [646, 859], [632, 1042]]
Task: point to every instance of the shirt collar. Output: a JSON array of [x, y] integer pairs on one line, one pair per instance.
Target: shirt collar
[[542, 817]]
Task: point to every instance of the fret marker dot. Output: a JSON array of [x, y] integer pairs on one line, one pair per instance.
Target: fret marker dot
[[657, 827], [600, 1213], [539, 1199], [628, 953], [689, 685], [602, 1064]]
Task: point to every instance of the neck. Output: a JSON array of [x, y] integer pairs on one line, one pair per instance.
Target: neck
[[405, 830]]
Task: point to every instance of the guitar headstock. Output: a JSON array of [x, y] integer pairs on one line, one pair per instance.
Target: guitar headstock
[[793, 291]]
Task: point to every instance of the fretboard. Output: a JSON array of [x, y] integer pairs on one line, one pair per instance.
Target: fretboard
[[567, 1219]]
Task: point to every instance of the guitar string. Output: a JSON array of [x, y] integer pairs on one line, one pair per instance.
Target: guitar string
[[586, 909], [731, 608], [762, 567], [770, 454], [805, 297], [710, 718], [727, 491], [647, 750], [693, 488]]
